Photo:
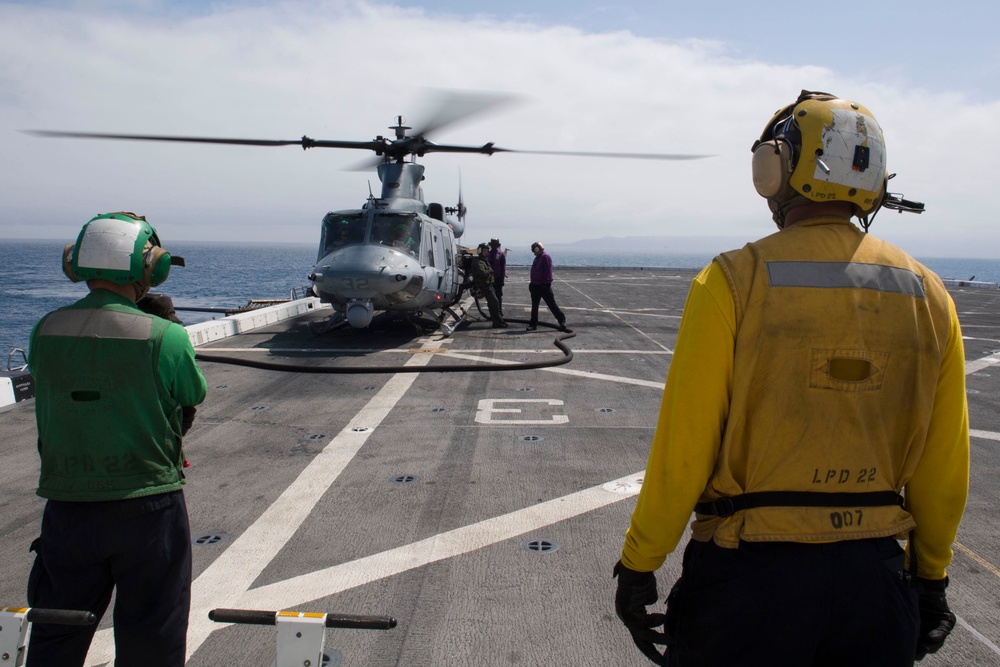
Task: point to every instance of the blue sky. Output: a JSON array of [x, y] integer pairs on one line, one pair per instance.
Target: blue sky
[[624, 76], [942, 45]]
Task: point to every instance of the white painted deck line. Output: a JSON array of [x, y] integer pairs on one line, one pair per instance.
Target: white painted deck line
[[563, 371], [226, 582], [981, 363], [232, 573], [329, 581]]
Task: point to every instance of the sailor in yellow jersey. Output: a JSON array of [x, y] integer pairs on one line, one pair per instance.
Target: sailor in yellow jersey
[[814, 414]]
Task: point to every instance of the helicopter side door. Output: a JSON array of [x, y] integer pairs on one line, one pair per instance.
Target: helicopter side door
[[446, 247], [429, 255], [432, 256]]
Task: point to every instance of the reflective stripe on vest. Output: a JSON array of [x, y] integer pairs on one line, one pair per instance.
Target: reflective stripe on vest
[[845, 274], [97, 324]]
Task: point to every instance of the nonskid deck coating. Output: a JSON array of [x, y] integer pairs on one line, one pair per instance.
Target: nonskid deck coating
[[299, 473]]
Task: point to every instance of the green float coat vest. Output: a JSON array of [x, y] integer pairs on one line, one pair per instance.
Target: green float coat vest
[[482, 273], [107, 427]]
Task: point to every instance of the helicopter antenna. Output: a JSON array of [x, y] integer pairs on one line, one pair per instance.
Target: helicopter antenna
[[461, 204], [460, 209]]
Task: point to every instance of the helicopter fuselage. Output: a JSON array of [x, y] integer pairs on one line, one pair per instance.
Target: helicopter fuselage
[[396, 253], [390, 255]]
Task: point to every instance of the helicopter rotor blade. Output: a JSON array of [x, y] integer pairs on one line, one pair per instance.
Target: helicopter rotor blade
[[489, 149], [305, 142], [451, 108], [462, 107], [632, 156], [365, 165], [423, 147]]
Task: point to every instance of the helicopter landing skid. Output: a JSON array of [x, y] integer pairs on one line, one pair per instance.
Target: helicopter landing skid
[[459, 320], [335, 321]]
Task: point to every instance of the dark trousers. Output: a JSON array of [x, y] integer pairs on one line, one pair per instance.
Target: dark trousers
[[492, 304], [782, 603], [498, 290], [139, 547], [544, 293]]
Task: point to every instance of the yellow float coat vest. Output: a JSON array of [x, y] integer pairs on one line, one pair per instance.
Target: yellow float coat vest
[[839, 340]]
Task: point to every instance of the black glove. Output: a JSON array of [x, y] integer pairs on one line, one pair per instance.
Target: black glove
[[936, 619], [187, 418], [636, 590]]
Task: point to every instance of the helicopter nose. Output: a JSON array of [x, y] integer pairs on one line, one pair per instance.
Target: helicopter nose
[[369, 272], [408, 286]]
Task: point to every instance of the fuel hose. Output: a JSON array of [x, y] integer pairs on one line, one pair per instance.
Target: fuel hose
[[567, 356]]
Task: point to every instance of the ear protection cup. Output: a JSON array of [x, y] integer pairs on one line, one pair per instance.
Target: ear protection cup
[[155, 266], [771, 167], [67, 263]]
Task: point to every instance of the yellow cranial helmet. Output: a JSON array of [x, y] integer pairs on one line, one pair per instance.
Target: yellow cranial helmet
[[820, 148]]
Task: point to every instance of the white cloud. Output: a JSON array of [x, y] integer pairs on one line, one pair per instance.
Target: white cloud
[[344, 70]]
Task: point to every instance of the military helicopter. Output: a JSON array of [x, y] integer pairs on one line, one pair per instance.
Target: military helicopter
[[396, 254]]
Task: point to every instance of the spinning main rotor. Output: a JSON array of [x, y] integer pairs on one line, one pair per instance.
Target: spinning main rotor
[[452, 108]]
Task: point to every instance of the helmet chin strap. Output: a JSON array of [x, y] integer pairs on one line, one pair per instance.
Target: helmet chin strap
[[786, 201], [780, 209], [141, 288]]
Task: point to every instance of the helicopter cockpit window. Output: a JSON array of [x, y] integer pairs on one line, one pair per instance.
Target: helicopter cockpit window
[[342, 230], [400, 231]]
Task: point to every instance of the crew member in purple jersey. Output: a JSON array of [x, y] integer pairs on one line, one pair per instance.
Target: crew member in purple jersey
[[540, 287]]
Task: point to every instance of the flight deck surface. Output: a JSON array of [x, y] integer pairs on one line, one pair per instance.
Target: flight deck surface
[[482, 510]]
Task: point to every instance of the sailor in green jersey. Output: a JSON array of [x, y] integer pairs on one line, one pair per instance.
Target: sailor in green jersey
[[482, 279], [115, 392]]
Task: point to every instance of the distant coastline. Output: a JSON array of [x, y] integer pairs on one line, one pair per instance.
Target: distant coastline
[[229, 274], [942, 246]]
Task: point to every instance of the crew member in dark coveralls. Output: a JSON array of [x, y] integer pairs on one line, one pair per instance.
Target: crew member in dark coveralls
[[482, 279], [540, 287], [116, 390], [498, 260]]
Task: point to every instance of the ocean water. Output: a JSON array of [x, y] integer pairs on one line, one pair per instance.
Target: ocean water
[[217, 275], [227, 276]]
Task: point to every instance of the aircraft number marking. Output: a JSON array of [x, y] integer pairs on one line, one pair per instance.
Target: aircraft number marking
[[355, 283], [488, 408], [846, 518]]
